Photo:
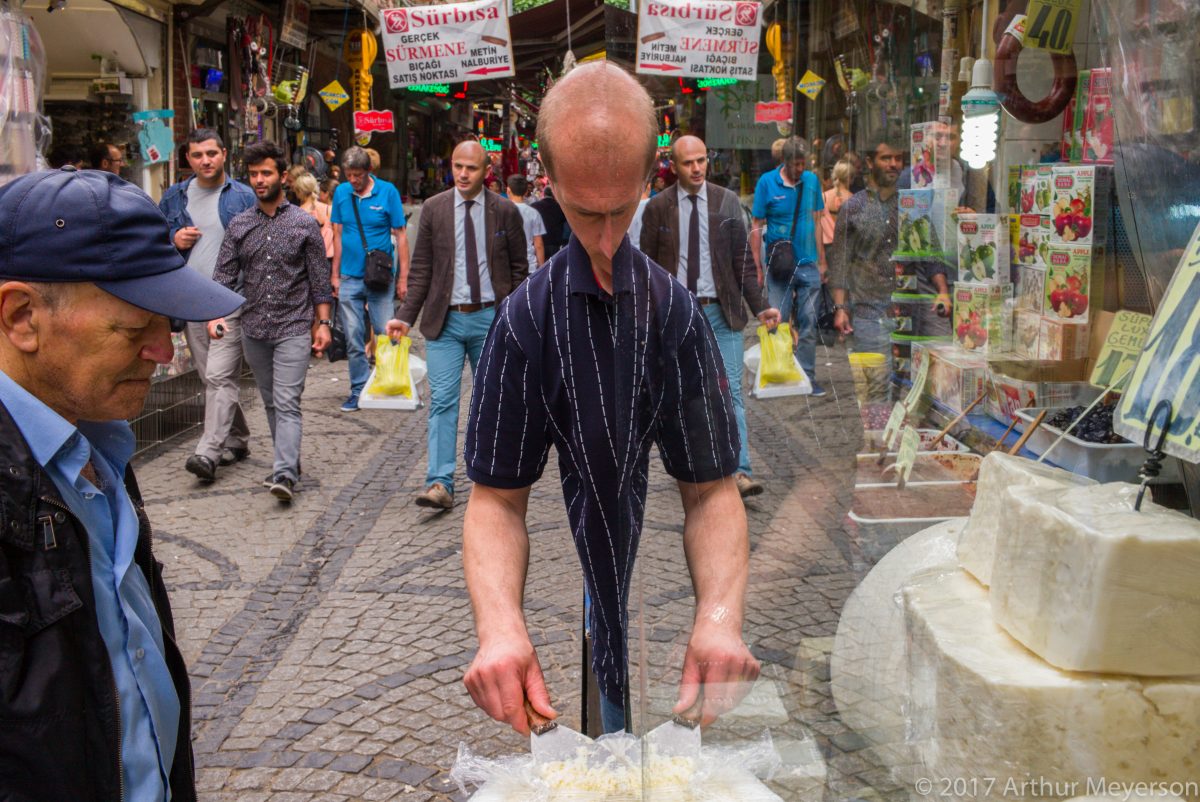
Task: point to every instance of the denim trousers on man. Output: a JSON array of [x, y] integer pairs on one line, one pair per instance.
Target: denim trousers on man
[[799, 295], [462, 336], [353, 296], [873, 327], [280, 367], [219, 365], [729, 342]]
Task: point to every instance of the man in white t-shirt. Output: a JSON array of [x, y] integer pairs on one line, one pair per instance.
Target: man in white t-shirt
[[535, 227], [198, 209]]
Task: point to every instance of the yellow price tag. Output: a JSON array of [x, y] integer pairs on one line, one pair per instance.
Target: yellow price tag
[[810, 85], [1122, 345], [910, 441], [1168, 368], [918, 385], [1050, 24]]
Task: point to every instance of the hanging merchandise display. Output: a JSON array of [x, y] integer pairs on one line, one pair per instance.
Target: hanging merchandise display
[[359, 52], [155, 140], [1008, 51], [23, 131], [334, 95], [810, 85]]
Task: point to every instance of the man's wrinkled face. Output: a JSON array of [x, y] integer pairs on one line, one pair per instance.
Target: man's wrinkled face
[[96, 353], [358, 178], [599, 204], [886, 165], [266, 180], [690, 163], [795, 168], [207, 159]]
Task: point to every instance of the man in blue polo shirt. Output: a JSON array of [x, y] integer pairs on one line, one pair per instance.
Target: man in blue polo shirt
[[775, 199], [603, 354], [382, 215]]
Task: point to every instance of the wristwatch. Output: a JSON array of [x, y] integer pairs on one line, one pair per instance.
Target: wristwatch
[[841, 308], [325, 323]]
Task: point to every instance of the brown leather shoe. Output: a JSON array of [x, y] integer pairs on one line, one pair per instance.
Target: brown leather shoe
[[436, 497], [747, 486]]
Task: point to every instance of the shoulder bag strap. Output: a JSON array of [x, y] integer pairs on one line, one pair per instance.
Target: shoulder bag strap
[[362, 233], [795, 210]]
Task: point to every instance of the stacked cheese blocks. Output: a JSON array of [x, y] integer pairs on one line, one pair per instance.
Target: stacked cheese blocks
[[1068, 650]]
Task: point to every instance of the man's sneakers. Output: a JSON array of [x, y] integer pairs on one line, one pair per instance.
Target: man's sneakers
[[201, 467], [746, 486], [283, 488], [436, 497], [818, 391], [231, 455], [350, 404]]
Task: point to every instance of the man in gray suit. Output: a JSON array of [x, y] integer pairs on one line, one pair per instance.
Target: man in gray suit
[[697, 231], [470, 254]]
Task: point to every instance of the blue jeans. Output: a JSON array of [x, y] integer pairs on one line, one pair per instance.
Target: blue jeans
[[353, 296], [797, 298], [462, 336], [612, 715], [729, 342]]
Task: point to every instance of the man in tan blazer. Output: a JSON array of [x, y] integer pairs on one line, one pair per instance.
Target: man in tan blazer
[[697, 231], [470, 254]]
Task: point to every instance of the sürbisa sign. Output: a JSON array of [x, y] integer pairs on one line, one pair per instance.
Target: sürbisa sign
[[699, 38], [447, 43]]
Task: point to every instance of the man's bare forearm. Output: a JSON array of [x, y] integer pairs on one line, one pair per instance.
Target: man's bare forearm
[[717, 546], [495, 560]]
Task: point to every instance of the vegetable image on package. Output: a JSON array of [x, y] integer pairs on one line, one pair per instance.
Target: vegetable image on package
[[1068, 281]]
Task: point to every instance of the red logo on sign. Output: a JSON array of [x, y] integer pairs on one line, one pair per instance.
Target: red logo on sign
[[969, 228], [1064, 182], [918, 136], [367, 121], [1059, 258], [907, 203], [396, 20], [773, 112], [746, 14]]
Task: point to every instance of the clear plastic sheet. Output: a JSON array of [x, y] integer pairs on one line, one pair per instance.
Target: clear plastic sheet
[[1153, 50], [617, 770], [24, 131]]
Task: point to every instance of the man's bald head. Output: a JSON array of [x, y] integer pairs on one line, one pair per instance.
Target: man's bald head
[[599, 112], [469, 165], [689, 162]]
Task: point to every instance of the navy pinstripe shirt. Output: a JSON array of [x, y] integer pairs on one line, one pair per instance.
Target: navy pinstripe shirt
[[601, 377]]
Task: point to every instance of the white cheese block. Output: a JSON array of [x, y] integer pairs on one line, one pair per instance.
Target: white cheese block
[[998, 471], [982, 706], [1088, 584], [867, 664]]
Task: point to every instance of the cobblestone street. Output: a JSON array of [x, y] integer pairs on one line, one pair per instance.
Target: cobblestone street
[[327, 640]]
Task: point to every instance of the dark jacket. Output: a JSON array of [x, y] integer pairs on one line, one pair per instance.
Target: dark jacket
[[235, 198], [734, 273], [558, 233], [59, 725], [431, 276]]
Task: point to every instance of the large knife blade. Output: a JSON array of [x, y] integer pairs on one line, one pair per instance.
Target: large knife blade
[[549, 741]]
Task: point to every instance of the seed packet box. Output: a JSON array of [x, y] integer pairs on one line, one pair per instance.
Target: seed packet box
[[926, 224], [1066, 295], [1048, 338], [955, 377], [1096, 131], [982, 319], [1035, 234], [983, 241], [1079, 212], [1014, 188], [930, 156], [1037, 192], [1030, 290]]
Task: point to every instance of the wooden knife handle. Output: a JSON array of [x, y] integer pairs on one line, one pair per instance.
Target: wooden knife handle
[[537, 722], [1028, 432], [690, 718]]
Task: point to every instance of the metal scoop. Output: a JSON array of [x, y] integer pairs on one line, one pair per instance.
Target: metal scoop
[[549, 741], [679, 737]]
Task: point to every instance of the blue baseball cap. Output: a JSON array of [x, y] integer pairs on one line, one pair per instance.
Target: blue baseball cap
[[91, 226]]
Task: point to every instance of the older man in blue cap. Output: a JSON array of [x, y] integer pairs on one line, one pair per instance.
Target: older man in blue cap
[[93, 690]]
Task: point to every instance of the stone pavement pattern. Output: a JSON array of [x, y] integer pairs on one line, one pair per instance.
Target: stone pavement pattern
[[327, 641]]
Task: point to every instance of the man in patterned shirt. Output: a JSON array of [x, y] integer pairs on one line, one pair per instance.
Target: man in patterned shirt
[[602, 354], [861, 276], [278, 250]]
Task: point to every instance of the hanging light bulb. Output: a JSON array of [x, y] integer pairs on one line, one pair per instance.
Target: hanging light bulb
[[981, 117]]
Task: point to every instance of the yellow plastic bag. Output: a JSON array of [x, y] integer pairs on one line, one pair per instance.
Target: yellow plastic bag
[[392, 375], [776, 363]]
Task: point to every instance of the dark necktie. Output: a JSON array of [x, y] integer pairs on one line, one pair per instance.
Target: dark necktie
[[472, 255], [693, 257]]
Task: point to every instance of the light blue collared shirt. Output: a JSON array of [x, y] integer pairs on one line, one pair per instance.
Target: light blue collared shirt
[[125, 610], [461, 294], [705, 286]]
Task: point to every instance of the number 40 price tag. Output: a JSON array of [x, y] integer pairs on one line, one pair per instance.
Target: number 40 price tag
[[1050, 24]]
